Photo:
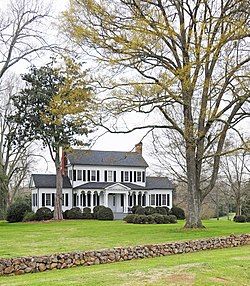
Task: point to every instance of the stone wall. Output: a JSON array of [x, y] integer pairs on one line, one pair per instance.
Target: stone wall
[[65, 260]]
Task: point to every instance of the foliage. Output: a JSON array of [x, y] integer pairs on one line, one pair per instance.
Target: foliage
[[44, 213], [105, 214], [16, 212], [74, 213], [29, 216], [129, 218], [240, 218], [245, 210], [161, 210], [158, 218], [134, 208], [172, 219], [86, 213], [149, 210], [178, 212], [140, 219], [140, 210], [96, 210]]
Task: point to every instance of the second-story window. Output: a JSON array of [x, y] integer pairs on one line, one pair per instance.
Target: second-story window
[[110, 176], [70, 174], [79, 175], [138, 177], [126, 176], [93, 175]]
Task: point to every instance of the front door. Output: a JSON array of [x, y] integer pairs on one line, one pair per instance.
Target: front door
[[115, 202]]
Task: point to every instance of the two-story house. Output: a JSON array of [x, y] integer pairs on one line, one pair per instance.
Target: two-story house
[[114, 179]]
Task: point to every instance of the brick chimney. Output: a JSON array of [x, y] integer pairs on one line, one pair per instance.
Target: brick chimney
[[138, 148]]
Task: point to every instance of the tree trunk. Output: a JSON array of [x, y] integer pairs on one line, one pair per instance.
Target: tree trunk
[[238, 207], [59, 184], [193, 218]]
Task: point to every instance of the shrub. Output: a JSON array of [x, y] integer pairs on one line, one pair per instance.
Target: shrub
[[86, 213], [240, 218], [248, 218], [161, 210], [158, 218], [140, 219], [172, 219], [65, 214], [29, 216], [96, 210], [166, 219], [105, 214], [151, 219], [43, 214], [149, 210], [140, 211], [178, 212], [245, 210], [74, 213], [134, 208], [129, 218], [167, 210], [16, 211]]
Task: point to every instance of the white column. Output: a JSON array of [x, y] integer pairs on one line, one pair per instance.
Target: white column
[[147, 199], [171, 200], [91, 201], [106, 199], [126, 203], [136, 198]]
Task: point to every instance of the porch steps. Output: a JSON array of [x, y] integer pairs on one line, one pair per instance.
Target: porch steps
[[118, 216]]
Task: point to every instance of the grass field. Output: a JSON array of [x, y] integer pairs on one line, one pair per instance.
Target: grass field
[[22, 239], [215, 267]]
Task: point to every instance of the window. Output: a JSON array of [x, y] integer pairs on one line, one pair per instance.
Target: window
[[93, 175], [48, 200], [70, 174], [110, 176], [139, 177], [126, 176], [153, 200], [164, 200], [79, 175]]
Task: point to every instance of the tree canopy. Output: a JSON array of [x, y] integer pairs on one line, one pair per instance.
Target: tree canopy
[[187, 62]]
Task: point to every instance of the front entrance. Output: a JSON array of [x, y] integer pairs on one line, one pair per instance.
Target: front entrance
[[116, 202]]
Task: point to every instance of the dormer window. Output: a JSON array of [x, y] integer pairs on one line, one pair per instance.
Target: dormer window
[[110, 176], [79, 175]]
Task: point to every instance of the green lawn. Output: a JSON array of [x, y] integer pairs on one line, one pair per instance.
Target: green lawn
[[21, 239], [229, 266]]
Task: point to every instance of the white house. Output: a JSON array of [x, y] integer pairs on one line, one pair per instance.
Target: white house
[[114, 179]]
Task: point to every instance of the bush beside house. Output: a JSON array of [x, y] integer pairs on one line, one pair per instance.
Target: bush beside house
[[155, 218]]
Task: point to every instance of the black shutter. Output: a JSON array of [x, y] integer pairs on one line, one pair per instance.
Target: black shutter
[[143, 176], [131, 176], [98, 176], [89, 175], [122, 176], [66, 200], [84, 175], [53, 200], [74, 175], [168, 200], [43, 199], [114, 176], [105, 175], [134, 176]]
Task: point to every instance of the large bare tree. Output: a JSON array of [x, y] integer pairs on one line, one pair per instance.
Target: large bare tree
[[168, 58]]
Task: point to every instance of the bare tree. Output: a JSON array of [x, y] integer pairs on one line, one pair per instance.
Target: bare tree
[[236, 174], [184, 58]]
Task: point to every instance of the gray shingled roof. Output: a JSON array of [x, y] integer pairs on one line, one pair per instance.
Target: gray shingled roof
[[49, 181], [152, 183], [106, 158], [158, 183]]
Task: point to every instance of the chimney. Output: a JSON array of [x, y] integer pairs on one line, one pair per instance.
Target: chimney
[[138, 148]]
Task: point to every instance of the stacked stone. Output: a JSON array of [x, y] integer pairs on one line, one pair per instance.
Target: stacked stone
[[17, 266]]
